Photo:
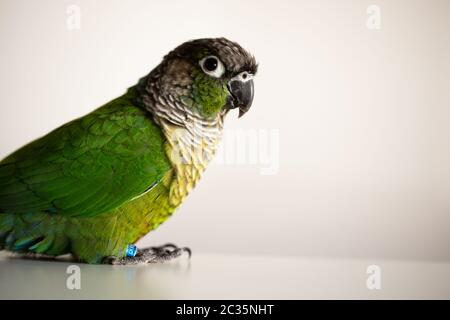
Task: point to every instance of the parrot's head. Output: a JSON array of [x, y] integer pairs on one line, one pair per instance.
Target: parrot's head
[[204, 78]]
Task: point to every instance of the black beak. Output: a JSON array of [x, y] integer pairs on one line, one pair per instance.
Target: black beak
[[242, 91]]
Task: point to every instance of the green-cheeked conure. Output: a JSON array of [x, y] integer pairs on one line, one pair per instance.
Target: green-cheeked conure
[[96, 185]]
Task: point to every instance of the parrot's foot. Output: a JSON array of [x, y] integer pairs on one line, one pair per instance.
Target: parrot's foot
[[159, 254]]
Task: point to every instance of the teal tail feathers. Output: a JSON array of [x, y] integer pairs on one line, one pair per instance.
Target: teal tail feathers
[[25, 233]]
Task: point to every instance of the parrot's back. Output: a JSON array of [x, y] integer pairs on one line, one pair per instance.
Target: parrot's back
[[89, 187]]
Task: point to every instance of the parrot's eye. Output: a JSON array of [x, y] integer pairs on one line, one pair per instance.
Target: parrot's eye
[[212, 66]]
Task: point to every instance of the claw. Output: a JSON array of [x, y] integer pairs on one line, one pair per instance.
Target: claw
[[162, 253], [188, 250]]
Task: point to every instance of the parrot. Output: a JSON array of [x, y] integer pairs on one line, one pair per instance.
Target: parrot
[[94, 186]]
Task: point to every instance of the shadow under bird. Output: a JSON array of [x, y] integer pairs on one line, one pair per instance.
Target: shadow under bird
[[96, 185]]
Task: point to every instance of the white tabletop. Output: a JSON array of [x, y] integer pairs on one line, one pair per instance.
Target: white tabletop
[[225, 277]]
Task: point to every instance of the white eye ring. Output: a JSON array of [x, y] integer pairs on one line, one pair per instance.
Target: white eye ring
[[212, 69]]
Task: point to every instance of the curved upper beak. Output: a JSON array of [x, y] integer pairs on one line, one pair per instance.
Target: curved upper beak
[[242, 91]]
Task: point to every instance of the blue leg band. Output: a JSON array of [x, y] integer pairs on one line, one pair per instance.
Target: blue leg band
[[131, 250]]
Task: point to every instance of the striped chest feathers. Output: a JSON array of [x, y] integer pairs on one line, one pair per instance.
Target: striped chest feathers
[[190, 149]]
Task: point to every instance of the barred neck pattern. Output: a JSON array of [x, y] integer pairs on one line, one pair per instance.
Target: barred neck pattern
[[191, 140]]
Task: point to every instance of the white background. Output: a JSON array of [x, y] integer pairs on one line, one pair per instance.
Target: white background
[[362, 115]]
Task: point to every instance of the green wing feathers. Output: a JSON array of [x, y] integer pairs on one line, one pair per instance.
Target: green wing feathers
[[67, 191], [89, 166]]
